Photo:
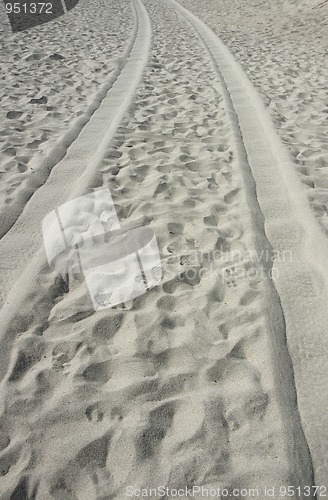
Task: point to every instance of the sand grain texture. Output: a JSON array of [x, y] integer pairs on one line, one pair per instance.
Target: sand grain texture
[[53, 79], [193, 382]]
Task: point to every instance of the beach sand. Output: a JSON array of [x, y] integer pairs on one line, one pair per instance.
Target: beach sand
[[51, 82], [282, 46], [215, 378]]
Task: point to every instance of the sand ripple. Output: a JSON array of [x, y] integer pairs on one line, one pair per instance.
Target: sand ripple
[[175, 387], [49, 75], [284, 55]]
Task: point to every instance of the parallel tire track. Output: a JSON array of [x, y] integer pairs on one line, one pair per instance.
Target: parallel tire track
[[281, 220], [21, 249], [43, 164]]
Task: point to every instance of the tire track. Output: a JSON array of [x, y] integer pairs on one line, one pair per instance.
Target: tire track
[[282, 219], [43, 165], [35, 129], [21, 249]]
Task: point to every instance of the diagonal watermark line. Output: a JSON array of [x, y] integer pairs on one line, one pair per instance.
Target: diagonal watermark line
[[64, 6]]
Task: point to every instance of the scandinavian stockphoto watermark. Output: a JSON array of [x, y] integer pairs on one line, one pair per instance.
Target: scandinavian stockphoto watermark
[[84, 236], [190, 492], [229, 267], [195, 491]]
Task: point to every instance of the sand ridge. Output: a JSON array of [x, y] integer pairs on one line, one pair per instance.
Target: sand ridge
[[302, 283], [79, 163], [178, 386], [284, 55], [50, 79]]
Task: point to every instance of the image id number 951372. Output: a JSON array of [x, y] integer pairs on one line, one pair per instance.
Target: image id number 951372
[[29, 8]]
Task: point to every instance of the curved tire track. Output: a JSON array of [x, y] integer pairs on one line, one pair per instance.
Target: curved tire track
[[42, 165], [281, 220], [21, 250]]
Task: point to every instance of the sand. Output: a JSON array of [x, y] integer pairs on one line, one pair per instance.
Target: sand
[[283, 46], [214, 378], [52, 80]]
